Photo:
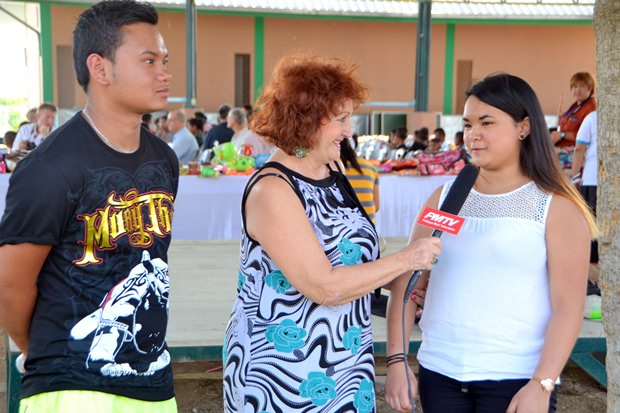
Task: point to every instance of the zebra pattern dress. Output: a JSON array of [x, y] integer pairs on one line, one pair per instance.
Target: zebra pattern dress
[[285, 353]]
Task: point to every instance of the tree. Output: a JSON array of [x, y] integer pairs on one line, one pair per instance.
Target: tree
[[607, 30]]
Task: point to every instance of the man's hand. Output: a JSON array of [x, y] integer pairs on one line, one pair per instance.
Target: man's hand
[[555, 137]]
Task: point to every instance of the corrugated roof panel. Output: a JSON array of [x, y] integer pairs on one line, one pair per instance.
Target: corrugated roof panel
[[499, 9]]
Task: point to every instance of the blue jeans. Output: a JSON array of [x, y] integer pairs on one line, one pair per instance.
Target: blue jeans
[[441, 394]]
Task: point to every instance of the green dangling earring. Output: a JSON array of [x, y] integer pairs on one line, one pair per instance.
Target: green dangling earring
[[300, 152]]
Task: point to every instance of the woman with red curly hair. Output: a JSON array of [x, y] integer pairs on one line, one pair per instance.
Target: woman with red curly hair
[[299, 337]]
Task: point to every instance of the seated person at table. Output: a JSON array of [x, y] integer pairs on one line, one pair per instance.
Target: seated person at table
[[31, 135], [420, 141], [183, 142], [10, 158], [397, 143], [206, 126], [195, 125], [243, 137], [434, 145], [220, 133], [440, 134], [162, 131], [9, 138]]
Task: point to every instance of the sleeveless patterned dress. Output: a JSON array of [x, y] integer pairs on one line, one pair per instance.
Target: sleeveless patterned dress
[[283, 352]]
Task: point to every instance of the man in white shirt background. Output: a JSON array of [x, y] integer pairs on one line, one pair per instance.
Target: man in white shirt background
[[238, 122], [183, 142], [585, 172], [31, 135]]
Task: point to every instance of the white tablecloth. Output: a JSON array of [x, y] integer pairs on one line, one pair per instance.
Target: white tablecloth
[[210, 208]]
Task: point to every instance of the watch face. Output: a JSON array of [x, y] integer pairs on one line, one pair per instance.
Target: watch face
[[547, 384]]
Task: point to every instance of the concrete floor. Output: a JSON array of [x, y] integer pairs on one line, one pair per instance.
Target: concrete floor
[[203, 278]]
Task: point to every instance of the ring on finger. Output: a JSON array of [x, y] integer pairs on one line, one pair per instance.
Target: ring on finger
[[434, 261]]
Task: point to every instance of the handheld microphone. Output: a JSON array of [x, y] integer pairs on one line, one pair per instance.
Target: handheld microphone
[[452, 203]]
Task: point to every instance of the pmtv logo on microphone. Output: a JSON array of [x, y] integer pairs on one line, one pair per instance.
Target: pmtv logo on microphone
[[441, 220]]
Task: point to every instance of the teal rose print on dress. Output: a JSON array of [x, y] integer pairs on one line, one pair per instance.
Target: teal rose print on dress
[[318, 387], [286, 337], [225, 351], [351, 253], [277, 281], [364, 398], [241, 281], [352, 339]]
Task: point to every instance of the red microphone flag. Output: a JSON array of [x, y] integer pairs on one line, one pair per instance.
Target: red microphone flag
[[441, 220]]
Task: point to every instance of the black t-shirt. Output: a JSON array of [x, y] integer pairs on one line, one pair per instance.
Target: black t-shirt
[[102, 307], [220, 133]]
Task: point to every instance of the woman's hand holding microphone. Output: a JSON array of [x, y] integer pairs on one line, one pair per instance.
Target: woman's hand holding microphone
[[422, 254]]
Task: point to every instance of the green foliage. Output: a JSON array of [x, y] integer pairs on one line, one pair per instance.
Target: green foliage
[[12, 113]]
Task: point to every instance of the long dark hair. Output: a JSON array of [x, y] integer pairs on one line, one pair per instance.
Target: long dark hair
[[348, 156], [537, 158]]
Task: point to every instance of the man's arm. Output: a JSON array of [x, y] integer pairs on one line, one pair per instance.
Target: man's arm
[[584, 137], [20, 142], [578, 155], [21, 264]]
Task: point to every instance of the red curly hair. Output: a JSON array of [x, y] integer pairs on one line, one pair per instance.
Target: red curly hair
[[304, 91]]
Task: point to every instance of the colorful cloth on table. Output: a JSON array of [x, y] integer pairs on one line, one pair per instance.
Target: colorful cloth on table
[[364, 185], [283, 352]]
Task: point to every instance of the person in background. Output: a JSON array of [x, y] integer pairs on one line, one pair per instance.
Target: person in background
[[504, 302], [585, 173], [459, 145], [440, 134], [243, 136], [397, 143], [419, 143], [397, 138], [459, 141], [248, 110], [162, 130], [84, 238], [582, 88], [392, 135], [220, 133], [364, 179], [9, 138], [183, 142], [434, 145], [299, 337], [147, 123], [11, 158], [206, 126], [31, 115], [195, 125], [30, 135]]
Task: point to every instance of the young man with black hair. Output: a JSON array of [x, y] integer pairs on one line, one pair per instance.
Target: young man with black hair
[[84, 237]]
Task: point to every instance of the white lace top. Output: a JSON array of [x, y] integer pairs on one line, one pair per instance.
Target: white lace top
[[487, 305]]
